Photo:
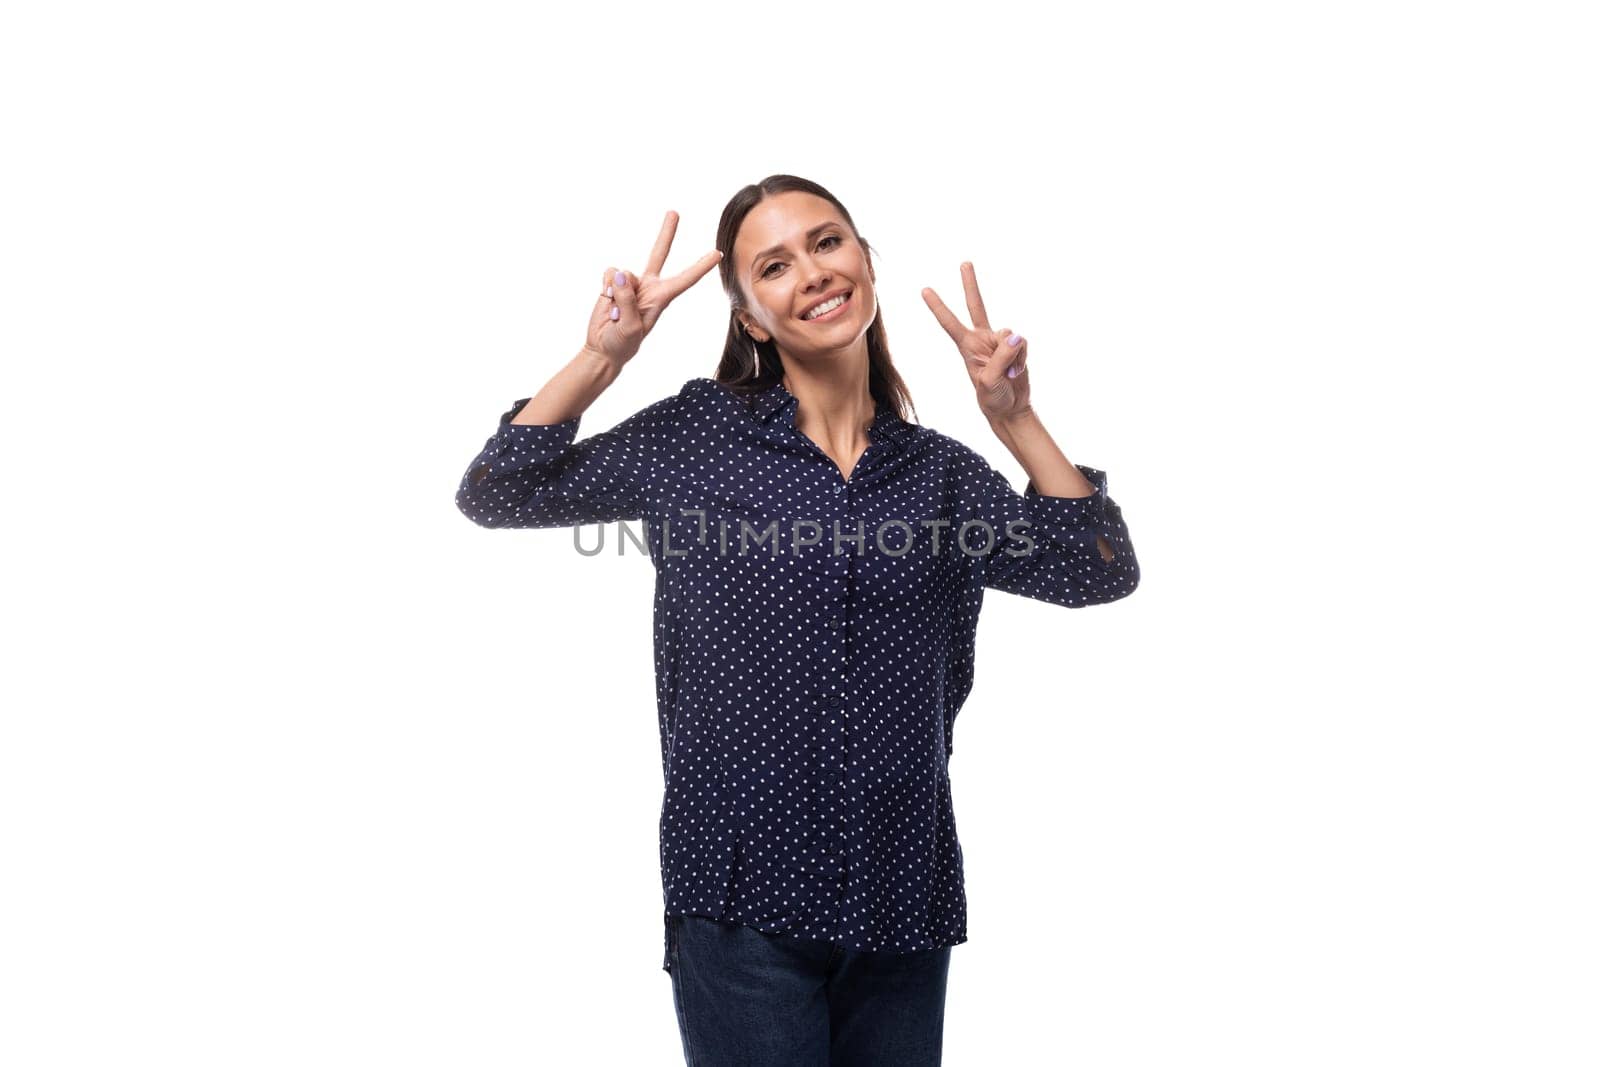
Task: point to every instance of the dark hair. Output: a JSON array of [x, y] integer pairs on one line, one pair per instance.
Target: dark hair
[[739, 369]]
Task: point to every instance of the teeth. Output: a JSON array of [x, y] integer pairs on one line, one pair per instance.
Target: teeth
[[823, 309]]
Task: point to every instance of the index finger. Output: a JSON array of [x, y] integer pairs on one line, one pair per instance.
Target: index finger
[[658, 254], [969, 281], [946, 317], [685, 278]]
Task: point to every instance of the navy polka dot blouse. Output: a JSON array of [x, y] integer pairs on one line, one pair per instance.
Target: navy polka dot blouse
[[814, 641]]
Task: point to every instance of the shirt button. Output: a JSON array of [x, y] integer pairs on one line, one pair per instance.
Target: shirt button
[[839, 488], [835, 622], [834, 702]]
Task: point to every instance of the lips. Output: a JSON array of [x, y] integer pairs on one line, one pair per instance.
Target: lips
[[848, 294]]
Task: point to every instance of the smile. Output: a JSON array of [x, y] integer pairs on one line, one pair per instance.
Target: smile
[[836, 308]]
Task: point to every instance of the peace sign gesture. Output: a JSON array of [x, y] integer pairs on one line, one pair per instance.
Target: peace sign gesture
[[629, 304], [996, 360]]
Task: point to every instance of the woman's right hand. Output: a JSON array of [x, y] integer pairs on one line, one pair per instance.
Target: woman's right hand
[[630, 304]]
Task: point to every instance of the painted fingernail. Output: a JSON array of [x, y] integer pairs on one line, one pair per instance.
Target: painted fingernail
[[1014, 340], [621, 278], [608, 290], [1011, 371], [616, 313]]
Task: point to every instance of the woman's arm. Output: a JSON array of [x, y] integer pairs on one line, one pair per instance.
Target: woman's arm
[[1070, 545], [530, 473], [569, 394], [1049, 470], [1086, 557]]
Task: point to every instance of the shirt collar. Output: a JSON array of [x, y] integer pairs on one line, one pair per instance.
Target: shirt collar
[[776, 403]]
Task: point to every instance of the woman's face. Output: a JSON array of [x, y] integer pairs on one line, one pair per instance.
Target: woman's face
[[793, 251]]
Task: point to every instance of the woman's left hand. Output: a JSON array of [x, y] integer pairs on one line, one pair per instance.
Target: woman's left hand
[[996, 360]]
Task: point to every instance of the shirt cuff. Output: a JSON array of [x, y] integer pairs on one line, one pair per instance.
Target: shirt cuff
[[1064, 513], [533, 443]]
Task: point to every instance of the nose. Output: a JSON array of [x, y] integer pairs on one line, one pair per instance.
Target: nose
[[817, 277]]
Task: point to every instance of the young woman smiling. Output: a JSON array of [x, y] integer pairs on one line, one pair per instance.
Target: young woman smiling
[[807, 690]]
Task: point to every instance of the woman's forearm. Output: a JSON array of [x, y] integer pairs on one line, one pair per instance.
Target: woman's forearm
[[1048, 468], [569, 394]]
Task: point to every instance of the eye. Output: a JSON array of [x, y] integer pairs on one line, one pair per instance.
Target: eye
[[835, 238]]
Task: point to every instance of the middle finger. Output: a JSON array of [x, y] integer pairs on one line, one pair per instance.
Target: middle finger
[[969, 281], [658, 254]]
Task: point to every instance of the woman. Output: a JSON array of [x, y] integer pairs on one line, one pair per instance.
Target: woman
[[820, 565]]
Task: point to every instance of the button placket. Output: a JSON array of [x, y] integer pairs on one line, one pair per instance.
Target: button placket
[[833, 734]]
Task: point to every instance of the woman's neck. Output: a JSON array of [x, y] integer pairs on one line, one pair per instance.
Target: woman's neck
[[835, 409]]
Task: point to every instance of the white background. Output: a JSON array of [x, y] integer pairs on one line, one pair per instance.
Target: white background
[[300, 766]]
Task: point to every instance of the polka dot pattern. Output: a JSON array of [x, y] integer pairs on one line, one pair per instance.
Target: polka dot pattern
[[807, 698]]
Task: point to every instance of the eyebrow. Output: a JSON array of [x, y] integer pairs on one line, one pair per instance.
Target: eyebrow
[[754, 263]]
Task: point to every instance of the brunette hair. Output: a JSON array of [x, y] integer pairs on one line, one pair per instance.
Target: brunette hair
[[740, 369]]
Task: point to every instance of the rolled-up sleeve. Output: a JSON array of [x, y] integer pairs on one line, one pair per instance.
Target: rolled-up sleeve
[[1046, 546], [536, 476]]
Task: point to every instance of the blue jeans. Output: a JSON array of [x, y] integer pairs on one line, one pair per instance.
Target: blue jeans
[[753, 999]]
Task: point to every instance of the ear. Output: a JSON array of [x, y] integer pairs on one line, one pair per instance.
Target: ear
[[755, 332]]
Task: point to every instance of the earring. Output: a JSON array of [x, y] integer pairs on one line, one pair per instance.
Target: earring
[[755, 350]]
